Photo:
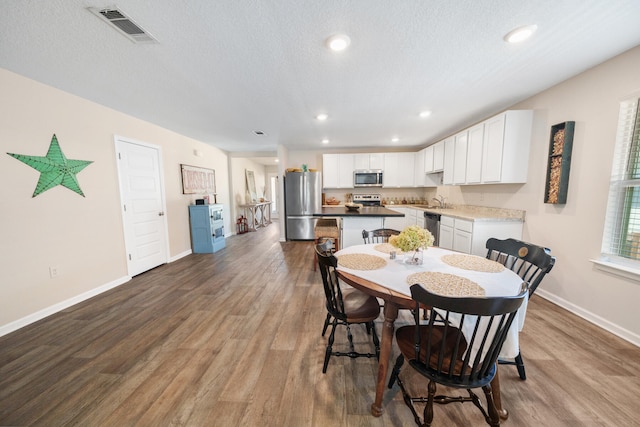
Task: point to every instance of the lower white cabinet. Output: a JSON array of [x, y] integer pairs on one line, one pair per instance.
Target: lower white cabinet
[[470, 237], [399, 223], [352, 227]]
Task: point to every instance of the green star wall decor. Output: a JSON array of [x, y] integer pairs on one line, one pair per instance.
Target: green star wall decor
[[55, 169]]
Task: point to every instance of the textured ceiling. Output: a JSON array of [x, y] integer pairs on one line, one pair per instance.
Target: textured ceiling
[[223, 69]]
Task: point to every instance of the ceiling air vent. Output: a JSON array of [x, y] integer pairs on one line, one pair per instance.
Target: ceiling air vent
[[124, 24]]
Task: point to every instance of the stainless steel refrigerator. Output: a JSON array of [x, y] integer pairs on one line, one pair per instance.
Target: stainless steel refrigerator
[[302, 198]]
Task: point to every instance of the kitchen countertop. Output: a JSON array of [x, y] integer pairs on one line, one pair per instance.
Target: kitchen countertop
[[365, 211], [470, 212]]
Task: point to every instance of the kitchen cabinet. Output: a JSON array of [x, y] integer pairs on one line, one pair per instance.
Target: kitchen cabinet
[[505, 155], [449, 161], [474, 154], [421, 178], [438, 156], [399, 170], [352, 228], [411, 217], [428, 159], [446, 234], [368, 161], [495, 151], [460, 157], [394, 222], [471, 236], [434, 157], [207, 228], [337, 170]]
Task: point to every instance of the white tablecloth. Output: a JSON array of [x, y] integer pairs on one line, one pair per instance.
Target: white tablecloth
[[394, 276]]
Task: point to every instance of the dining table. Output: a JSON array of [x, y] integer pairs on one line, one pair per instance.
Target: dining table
[[382, 270]]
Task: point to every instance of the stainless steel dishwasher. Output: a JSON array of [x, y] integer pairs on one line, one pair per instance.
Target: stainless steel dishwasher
[[432, 223]]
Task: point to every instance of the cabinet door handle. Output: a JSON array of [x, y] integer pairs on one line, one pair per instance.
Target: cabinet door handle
[[160, 213]]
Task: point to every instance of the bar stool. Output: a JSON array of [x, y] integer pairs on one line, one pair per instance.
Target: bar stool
[[326, 229]]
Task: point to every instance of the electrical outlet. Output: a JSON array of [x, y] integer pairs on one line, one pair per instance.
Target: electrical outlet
[[53, 272], [482, 197]]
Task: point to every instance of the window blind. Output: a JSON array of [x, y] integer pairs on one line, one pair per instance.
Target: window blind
[[621, 239]]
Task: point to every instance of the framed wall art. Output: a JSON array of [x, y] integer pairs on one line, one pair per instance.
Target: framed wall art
[[559, 163], [197, 180]]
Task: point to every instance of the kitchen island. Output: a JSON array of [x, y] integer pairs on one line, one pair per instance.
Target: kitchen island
[[354, 221]]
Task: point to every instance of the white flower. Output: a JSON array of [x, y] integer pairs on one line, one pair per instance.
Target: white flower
[[412, 238]]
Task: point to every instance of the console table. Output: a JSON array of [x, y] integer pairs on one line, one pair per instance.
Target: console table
[[257, 214]]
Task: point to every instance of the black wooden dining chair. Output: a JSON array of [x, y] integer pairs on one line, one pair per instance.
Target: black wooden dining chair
[[530, 262], [443, 354], [347, 307], [381, 235]]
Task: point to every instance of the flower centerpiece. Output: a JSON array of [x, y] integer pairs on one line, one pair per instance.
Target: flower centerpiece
[[412, 240]]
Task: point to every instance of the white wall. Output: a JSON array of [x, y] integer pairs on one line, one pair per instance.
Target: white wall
[[81, 236], [238, 168], [574, 231]]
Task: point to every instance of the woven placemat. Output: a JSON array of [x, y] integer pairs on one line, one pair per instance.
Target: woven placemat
[[474, 263], [361, 261], [386, 248], [446, 284]]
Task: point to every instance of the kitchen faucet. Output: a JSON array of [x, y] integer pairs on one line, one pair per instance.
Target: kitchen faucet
[[440, 200]]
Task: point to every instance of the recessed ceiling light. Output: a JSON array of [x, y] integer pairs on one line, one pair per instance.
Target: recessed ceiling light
[[425, 113], [338, 42], [520, 34], [395, 139], [325, 141], [322, 117]]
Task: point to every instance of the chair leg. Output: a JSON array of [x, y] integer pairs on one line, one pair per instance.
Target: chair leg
[[326, 324], [428, 409], [376, 341], [396, 370], [520, 366], [328, 351], [494, 418]]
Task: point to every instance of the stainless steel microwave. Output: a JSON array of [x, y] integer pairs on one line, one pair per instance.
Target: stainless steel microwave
[[367, 178]]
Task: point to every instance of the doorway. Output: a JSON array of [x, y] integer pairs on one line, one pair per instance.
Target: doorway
[[143, 204], [274, 193]]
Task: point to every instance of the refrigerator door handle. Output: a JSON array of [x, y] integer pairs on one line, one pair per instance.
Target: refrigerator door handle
[[304, 194]]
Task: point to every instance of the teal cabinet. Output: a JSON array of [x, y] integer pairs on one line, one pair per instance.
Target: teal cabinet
[[207, 228]]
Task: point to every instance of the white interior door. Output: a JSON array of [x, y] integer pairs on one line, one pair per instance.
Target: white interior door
[[143, 205]]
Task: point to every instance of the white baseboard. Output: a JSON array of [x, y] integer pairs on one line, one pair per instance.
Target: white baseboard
[[180, 255], [625, 334], [39, 315]]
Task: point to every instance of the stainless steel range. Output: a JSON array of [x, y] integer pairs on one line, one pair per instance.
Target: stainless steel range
[[367, 199]]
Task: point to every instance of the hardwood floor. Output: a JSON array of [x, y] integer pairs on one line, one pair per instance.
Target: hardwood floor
[[233, 339]]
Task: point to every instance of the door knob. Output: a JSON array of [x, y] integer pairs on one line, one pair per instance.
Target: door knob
[[160, 213]]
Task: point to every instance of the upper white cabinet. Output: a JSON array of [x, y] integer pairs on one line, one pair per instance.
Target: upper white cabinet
[[337, 170], [399, 170], [460, 157], [491, 152], [449, 161], [438, 156], [367, 161], [474, 154], [427, 159], [422, 178], [507, 138]]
